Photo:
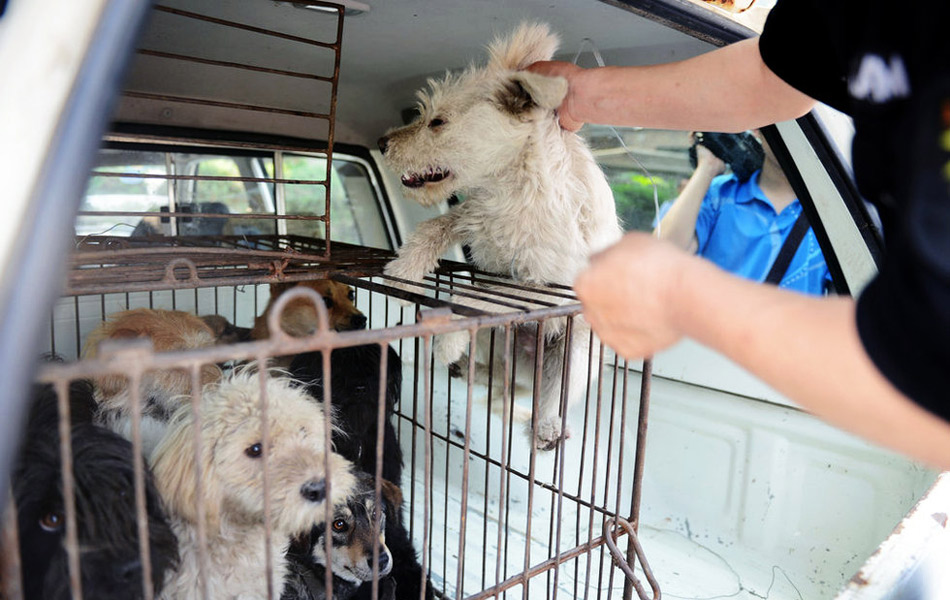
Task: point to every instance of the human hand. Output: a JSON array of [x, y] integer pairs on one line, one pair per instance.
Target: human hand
[[628, 292], [554, 68], [708, 162]]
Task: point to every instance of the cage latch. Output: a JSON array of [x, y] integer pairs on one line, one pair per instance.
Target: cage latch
[[628, 563]]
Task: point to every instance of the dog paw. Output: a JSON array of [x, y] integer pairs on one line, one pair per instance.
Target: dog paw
[[449, 347], [398, 268], [456, 371], [549, 434]]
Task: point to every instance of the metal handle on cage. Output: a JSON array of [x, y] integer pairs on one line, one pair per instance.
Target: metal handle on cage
[[610, 526]]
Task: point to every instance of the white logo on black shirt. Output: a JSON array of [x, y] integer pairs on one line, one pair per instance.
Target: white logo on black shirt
[[879, 81]]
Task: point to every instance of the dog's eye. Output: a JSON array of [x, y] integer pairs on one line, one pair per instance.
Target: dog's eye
[[52, 522], [328, 302], [351, 295], [254, 450], [436, 122], [339, 525]]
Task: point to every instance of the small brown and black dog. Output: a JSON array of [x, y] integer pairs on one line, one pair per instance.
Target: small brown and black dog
[[299, 318], [160, 392]]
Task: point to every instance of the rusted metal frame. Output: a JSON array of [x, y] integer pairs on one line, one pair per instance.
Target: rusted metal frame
[[426, 301], [281, 345], [627, 566], [61, 387], [466, 455], [460, 289], [607, 471], [222, 104], [231, 65], [138, 466], [499, 281], [436, 287], [583, 462], [327, 448], [623, 420], [331, 129], [646, 380], [582, 503], [177, 177], [593, 479], [488, 436], [378, 475], [533, 455], [532, 572], [201, 516], [113, 256], [502, 471], [262, 376], [203, 143], [251, 28], [427, 482], [565, 390], [198, 215]]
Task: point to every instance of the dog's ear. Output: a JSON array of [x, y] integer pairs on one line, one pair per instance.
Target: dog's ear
[[276, 289], [393, 497], [173, 465], [527, 44], [524, 91]]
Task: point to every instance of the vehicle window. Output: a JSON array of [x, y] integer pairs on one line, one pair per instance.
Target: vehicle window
[[354, 206], [132, 190], [721, 196], [121, 184]]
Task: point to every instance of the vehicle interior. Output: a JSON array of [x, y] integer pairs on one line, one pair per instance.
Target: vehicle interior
[[242, 151]]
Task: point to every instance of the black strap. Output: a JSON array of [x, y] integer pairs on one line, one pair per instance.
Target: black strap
[[788, 250]]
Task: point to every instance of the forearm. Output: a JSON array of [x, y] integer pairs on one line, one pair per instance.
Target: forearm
[[722, 90], [679, 224], [809, 350]]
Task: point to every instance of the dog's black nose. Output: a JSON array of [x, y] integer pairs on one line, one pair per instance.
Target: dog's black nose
[[128, 571], [383, 143], [358, 322], [314, 491], [383, 560]]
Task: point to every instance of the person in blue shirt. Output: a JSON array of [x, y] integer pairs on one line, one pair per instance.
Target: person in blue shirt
[[742, 225]]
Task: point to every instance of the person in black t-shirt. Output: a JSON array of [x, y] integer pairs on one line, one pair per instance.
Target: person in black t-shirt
[[878, 366]]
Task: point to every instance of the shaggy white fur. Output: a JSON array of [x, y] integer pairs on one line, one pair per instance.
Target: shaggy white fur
[[232, 497], [536, 204]]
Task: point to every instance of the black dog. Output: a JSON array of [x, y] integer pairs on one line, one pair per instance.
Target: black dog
[[354, 387], [352, 542], [104, 501]]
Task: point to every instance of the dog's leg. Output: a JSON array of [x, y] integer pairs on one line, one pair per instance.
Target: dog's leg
[[420, 255], [548, 431]]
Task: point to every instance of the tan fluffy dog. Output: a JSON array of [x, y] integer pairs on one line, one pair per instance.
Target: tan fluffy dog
[[231, 473], [299, 318], [160, 392], [536, 203]]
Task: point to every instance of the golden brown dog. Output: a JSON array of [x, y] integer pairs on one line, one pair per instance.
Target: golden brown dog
[[160, 392], [299, 318]]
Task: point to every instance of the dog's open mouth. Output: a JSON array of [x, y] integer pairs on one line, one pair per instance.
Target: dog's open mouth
[[430, 175]]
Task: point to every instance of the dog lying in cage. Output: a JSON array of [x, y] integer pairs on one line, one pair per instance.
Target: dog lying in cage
[[108, 543], [160, 392], [536, 203], [231, 470], [354, 387], [352, 539], [299, 317]]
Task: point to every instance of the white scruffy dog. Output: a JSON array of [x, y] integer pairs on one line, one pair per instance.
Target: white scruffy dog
[[232, 497], [536, 203]]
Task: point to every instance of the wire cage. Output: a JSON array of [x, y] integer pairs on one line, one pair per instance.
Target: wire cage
[[487, 513]]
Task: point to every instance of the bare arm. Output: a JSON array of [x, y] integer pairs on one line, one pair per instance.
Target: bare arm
[[679, 224], [806, 347], [729, 89]]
